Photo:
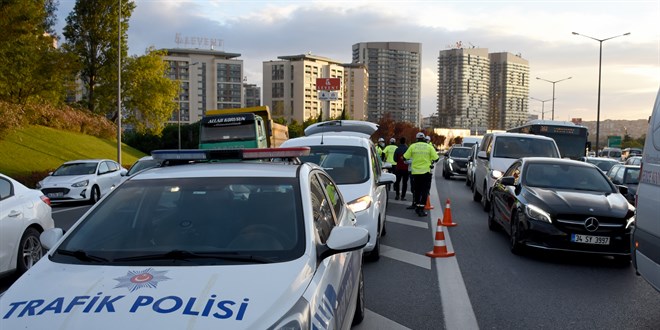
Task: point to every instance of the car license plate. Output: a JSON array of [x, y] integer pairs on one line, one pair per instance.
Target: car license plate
[[587, 239], [55, 195]]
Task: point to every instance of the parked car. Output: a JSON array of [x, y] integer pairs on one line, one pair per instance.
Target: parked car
[[604, 164], [82, 180], [562, 204], [634, 160], [625, 175], [344, 150], [24, 214], [498, 151], [455, 161], [469, 176], [646, 233], [243, 244]]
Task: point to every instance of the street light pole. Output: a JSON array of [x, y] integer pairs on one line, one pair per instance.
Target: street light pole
[[553, 92], [542, 106], [600, 63]]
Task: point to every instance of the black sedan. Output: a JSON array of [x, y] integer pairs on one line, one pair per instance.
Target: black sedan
[[561, 204], [455, 162]]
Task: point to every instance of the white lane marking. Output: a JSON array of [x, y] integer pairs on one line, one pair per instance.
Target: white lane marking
[[456, 306], [69, 209], [377, 321], [407, 222], [405, 256]]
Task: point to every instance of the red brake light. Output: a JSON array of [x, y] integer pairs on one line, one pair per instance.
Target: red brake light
[[45, 199]]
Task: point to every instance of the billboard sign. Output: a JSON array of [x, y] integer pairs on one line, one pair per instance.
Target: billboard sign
[[328, 95], [328, 84]]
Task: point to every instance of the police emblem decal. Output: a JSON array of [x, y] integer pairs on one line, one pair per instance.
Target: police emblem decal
[[147, 278]]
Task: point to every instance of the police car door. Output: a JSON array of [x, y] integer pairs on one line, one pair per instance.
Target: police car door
[[332, 303]]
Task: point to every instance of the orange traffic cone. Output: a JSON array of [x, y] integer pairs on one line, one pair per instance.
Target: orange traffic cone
[[428, 205], [446, 217], [439, 246]]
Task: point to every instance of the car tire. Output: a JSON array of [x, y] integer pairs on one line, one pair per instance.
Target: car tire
[[492, 225], [514, 236], [358, 316], [29, 250], [95, 195], [485, 204], [374, 255], [476, 196], [383, 231]]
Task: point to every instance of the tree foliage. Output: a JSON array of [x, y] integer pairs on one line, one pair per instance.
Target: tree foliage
[[33, 68], [388, 128], [93, 37], [148, 94]]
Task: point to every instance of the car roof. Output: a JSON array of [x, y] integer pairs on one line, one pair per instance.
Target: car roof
[[343, 127], [522, 135], [328, 139], [86, 161], [551, 160]]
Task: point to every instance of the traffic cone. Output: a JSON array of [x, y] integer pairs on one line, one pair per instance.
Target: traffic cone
[[446, 217], [428, 205], [439, 246]]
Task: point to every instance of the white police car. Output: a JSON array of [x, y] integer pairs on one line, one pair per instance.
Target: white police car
[[206, 245]]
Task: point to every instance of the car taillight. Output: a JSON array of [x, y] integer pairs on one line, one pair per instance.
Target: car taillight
[[45, 200]]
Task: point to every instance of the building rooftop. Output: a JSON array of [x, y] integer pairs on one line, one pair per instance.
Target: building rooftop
[[217, 53]]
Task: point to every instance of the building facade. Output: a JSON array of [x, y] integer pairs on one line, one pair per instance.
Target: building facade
[[209, 80], [394, 79], [356, 89], [509, 91], [482, 91], [252, 95], [463, 89], [289, 87]]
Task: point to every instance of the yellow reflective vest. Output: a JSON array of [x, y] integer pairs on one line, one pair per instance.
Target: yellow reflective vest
[[422, 155]]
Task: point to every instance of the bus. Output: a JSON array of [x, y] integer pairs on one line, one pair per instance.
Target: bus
[[228, 131], [570, 138]]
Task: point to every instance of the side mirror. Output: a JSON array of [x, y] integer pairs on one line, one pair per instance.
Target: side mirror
[[508, 181], [386, 178], [482, 155], [446, 154], [386, 165], [622, 189], [50, 237], [344, 239]]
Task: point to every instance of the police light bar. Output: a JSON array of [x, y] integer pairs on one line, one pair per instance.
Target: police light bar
[[261, 153], [191, 155]]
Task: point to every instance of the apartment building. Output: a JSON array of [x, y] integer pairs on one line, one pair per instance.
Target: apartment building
[[509, 91], [252, 95], [289, 87], [356, 89], [394, 79]]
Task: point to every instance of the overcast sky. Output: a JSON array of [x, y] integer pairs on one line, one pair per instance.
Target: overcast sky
[[540, 31]]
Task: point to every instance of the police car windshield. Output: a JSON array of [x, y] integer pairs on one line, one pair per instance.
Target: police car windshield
[[214, 220]]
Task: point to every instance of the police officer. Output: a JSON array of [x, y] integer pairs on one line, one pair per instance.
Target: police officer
[[423, 156], [389, 154], [379, 148]]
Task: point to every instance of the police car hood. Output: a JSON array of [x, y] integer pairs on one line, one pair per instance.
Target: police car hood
[[64, 296], [64, 180]]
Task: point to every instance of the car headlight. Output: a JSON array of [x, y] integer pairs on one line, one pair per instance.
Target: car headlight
[[297, 318], [360, 204], [83, 183], [630, 222], [451, 161], [495, 174], [536, 213]]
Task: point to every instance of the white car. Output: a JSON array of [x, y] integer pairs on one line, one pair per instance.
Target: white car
[[141, 164], [82, 180], [344, 150], [24, 214], [202, 245]]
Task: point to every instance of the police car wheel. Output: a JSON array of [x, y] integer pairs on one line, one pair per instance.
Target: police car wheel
[[358, 316]]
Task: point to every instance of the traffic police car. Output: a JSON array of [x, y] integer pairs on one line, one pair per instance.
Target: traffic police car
[[209, 243]]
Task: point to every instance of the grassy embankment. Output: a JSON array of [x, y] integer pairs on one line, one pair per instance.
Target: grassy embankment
[[27, 154]]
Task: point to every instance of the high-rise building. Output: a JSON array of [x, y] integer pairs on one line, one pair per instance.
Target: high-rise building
[[209, 79], [394, 79], [509, 91], [481, 91], [252, 95], [356, 88], [463, 94], [289, 87]]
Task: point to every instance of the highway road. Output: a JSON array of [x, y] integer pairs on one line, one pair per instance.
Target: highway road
[[485, 285]]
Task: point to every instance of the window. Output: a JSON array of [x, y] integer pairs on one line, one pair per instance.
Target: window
[[104, 168], [6, 189], [333, 194], [514, 171], [323, 220]]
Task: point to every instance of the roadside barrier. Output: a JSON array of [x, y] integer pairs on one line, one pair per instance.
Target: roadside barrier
[[439, 245], [446, 218]]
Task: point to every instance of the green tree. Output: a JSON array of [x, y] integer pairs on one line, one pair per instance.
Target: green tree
[[148, 94], [33, 69], [93, 37]]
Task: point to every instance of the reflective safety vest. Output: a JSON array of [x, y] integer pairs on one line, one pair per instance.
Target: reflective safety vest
[[423, 155], [389, 154]]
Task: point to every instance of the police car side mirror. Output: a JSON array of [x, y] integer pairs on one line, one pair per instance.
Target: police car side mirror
[[50, 237], [387, 165], [344, 239], [386, 178]]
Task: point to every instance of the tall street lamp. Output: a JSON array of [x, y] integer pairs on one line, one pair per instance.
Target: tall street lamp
[[600, 63], [553, 92], [542, 106]]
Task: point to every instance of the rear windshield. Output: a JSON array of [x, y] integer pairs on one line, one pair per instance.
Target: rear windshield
[[518, 147], [460, 152], [345, 164]]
